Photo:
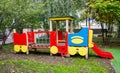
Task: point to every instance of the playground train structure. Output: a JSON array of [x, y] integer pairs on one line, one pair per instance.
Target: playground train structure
[[65, 42]]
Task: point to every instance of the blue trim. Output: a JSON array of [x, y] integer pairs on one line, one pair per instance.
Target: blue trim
[[82, 33]]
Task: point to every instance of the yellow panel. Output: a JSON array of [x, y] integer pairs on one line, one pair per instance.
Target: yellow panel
[[54, 50], [77, 39], [60, 18], [83, 51], [72, 50], [16, 48], [90, 38], [24, 48]]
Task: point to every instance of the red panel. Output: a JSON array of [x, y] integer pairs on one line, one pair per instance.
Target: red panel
[[30, 37], [63, 50], [20, 39], [52, 38]]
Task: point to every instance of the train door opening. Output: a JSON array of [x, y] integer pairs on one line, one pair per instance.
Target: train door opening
[[61, 38], [60, 33]]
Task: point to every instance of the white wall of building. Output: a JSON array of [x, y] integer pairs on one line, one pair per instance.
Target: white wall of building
[[93, 24]]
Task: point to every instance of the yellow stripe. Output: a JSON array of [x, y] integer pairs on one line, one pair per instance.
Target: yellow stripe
[[76, 37], [60, 18]]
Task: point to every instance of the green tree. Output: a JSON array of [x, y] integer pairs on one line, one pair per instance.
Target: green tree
[[20, 13], [62, 8], [104, 11]]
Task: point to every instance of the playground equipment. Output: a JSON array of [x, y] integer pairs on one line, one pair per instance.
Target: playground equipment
[[64, 42]]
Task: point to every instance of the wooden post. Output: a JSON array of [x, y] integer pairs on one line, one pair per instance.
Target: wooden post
[[27, 43], [14, 30], [67, 24], [71, 27], [35, 36], [86, 56], [57, 22], [50, 25]]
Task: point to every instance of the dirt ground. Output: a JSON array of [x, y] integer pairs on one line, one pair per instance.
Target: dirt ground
[[46, 58], [107, 62]]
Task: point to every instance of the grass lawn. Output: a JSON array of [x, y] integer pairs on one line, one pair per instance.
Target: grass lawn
[[78, 65], [116, 60]]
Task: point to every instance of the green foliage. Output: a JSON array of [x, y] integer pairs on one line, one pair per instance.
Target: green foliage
[[60, 8], [5, 14], [24, 13], [35, 13], [105, 11]]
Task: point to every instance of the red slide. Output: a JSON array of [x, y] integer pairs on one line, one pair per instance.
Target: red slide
[[101, 53]]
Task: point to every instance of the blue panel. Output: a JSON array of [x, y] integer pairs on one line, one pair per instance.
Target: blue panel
[[82, 34]]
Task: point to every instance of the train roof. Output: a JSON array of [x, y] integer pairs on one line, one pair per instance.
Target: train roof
[[61, 18]]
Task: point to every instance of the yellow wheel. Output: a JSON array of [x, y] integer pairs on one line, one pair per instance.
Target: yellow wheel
[[83, 51], [24, 48], [16, 48], [72, 50], [54, 50]]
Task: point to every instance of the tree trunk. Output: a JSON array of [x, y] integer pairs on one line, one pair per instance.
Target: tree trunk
[[5, 38], [110, 34], [3, 41], [118, 32], [102, 30], [0, 46]]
